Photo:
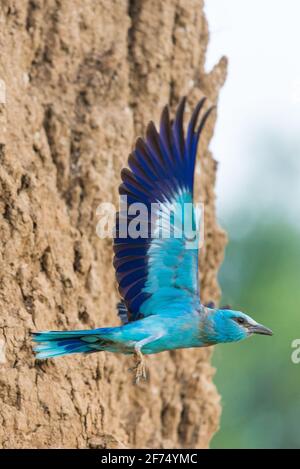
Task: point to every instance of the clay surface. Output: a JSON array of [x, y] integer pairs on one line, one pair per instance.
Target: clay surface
[[79, 82]]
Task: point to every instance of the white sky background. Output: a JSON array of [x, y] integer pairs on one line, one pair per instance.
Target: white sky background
[[261, 39]]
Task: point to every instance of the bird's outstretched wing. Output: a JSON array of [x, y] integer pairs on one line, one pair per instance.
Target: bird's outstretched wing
[[155, 244]]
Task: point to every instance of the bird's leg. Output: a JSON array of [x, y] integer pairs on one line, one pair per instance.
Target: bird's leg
[[140, 367]]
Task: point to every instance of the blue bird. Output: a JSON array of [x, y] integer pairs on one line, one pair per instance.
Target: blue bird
[[157, 271]]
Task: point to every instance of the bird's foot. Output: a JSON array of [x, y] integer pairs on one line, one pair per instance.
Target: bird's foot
[[140, 367]]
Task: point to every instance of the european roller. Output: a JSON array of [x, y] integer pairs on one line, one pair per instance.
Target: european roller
[[157, 266]]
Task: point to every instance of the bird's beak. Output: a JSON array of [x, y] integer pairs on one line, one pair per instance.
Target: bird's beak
[[260, 329]]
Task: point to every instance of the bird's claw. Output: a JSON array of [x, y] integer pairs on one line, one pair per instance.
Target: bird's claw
[[139, 368]]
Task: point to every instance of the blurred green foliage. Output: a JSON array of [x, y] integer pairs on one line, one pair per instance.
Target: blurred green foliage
[[259, 384]]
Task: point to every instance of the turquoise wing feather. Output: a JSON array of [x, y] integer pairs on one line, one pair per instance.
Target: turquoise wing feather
[[157, 271]]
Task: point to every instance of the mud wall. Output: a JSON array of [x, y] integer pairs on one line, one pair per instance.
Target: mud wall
[[81, 79]]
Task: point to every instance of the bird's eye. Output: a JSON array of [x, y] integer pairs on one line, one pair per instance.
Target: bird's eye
[[241, 321]]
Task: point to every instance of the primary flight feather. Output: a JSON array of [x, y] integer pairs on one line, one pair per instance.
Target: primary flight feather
[[156, 257]]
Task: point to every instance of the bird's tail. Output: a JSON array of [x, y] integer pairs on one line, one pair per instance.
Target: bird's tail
[[54, 344]]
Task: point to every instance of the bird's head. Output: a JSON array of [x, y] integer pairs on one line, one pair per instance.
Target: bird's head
[[232, 326]]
